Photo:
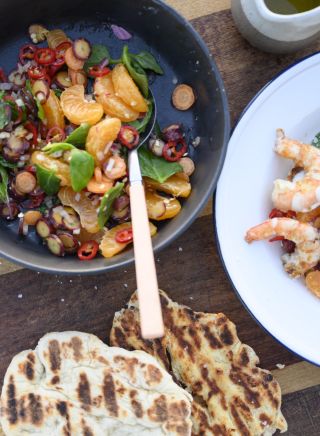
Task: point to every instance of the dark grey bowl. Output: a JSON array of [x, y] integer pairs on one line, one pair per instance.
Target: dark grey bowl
[[184, 57]]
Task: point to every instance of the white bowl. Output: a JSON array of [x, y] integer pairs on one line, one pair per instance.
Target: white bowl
[[283, 306]]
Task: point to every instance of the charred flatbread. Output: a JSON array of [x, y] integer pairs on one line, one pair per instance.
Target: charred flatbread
[[73, 384], [232, 395]]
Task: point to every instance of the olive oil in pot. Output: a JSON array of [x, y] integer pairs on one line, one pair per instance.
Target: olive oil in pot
[[288, 7]]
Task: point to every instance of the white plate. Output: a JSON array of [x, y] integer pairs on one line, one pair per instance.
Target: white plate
[[284, 307]]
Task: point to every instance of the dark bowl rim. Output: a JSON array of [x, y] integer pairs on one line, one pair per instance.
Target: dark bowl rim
[[79, 267], [215, 221]]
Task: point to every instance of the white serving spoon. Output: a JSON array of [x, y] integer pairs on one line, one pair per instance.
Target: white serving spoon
[[147, 284]]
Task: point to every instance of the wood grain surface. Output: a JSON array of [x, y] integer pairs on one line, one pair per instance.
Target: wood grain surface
[[190, 270]]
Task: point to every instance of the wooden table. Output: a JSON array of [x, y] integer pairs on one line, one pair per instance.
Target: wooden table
[[33, 304]]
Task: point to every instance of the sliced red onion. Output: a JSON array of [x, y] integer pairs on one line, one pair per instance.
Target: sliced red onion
[[120, 32], [5, 86], [121, 216], [104, 63]]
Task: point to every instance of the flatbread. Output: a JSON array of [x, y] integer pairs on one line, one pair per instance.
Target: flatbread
[[232, 396], [73, 384]]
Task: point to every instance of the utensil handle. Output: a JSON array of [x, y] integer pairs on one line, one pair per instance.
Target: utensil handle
[[147, 283]]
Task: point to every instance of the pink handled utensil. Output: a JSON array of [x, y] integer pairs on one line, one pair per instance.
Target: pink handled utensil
[[147, 283]]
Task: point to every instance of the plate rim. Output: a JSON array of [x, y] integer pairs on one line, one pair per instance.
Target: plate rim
[[215, 200]]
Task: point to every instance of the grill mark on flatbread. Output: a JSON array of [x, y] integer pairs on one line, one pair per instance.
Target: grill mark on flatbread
[[55, 380], [158, 412], [153, 375], [62, 408], [109, 394], [29, 371], [12, 402], [213, 340], [128, 364], [243, 429], [121, 339], [35, 408], [76, 345], [86, 431], [230, 391], [84, 393], [136, 405], [54, 355], [22, 409], [239, 379]]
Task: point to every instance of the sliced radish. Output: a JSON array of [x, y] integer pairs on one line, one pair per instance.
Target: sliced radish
[[55, 245], [43, 228], [63, 80], [81, 49], [41, 90], [70, 242]]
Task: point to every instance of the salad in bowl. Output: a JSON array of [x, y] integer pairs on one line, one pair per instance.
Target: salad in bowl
[[69, 113]]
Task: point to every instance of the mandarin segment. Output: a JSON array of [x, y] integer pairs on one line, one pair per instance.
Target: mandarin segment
[[77, 109], [53, 111], [100, 138], [61, 169], [112, 105], [174, 185], [127, 90], [84, 207], [110, 247]]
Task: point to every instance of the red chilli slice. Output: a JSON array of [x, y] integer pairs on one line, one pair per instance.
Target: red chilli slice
[[88, 250], [124, 236]]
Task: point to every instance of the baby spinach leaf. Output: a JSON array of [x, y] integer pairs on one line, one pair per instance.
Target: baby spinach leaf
[[98, 53], [148, 62], [7, 164], [58, 92], [316, 140], [105, 209], [56, 147], [3, 184], [156, 167], [81, 169], [47, 180], [136, 72], [79, 136], [141, 125]]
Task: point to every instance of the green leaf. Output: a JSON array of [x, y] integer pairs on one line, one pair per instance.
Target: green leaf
[[148, 62], [142, 124], [4, 119], [56, 147], [316, 140], [106, 209], [79, 136], [58, 92], [98, 53], [156, 167], [136, 72], [41, 114], [7, 164], [3, 185], [47, 180], [81, 169]]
